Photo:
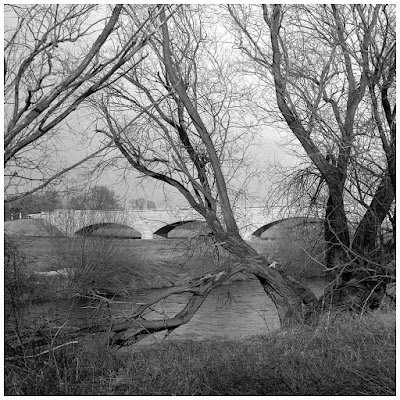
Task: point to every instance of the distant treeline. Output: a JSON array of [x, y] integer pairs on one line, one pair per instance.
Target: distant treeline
[[96, 198]]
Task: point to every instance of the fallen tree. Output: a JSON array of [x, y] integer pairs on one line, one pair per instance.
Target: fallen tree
[[127, 331]]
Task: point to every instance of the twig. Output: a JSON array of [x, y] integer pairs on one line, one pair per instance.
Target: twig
[[43, 352]]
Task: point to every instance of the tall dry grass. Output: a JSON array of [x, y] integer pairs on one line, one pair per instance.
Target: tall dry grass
[[347, 356]]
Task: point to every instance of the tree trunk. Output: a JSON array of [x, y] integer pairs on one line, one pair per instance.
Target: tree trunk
[[359, 282], [364, 241], [295, 303], [336, 232]]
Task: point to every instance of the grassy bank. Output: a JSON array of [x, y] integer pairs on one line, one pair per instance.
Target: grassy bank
[[348, 356], [123, 266]]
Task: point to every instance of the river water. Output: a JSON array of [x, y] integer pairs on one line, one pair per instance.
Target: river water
[[230, 312]]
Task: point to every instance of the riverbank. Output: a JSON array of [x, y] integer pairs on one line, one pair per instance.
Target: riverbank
[[125, 265], [350, 355]]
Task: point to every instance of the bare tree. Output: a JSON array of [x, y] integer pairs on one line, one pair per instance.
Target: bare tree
[[170, 105], [179, 119], [333, 72], [142, 204], [96, 198], [57, 56], [47, 201]]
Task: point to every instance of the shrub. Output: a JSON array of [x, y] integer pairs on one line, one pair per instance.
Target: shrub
[[22, 288]]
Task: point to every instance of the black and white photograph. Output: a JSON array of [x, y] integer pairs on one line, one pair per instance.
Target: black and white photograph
[[199, 199]]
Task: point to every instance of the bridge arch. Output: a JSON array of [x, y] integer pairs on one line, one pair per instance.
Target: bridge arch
[[109, 229], [290, 222], [193, 227]]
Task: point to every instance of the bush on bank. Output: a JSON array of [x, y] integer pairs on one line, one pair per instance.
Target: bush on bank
[[346, 356]]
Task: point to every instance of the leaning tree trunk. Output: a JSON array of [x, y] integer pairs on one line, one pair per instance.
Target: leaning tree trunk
[[287, 296], [295, 303]]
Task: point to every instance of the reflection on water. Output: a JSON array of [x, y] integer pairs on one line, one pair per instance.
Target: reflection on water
[[230, 312]]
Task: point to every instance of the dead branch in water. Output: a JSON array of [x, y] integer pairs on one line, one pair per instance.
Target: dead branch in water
[[141, 328]]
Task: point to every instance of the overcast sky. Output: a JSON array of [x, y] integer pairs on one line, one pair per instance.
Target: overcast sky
[[127, 185], [268, 150]]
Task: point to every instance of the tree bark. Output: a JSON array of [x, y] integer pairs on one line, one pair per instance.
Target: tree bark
[[285, 293], [295, 303], [337, 236], [366, 234]]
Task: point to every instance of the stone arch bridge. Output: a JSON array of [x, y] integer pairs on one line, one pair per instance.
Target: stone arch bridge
[[155, 223]]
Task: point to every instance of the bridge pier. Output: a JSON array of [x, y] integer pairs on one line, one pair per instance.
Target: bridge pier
[[147, 234]]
